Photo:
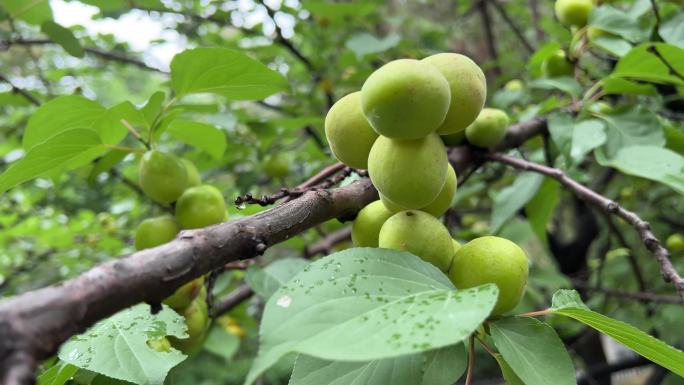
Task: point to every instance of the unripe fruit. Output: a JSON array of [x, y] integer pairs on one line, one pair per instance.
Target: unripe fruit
[[454, 139], [573, 12], [391, 206], [162, 176], [457, 246], [194, 178], [277, 165], [348, 132], [488, 129], [675, 242], [492, 260], [156, 231], [514, 85], [200, 206], [557, 65], [601, 107], [443, 201], [468, 89], [185, 294], [420, 234], [367, 224], [405, 99], [197, 320], [411, 173]]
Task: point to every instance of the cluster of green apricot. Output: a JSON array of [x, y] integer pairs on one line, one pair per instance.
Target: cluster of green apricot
[[168, 180], [397, 127]]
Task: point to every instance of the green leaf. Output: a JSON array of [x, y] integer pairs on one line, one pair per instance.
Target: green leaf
[[205, 137], [534, 64], [68, 112], [221, 343], [565, 298], [533, 350], [337, 10], [614, 45], [618, 86], [10, 98], [363, 43], [56, 153], [436, 367], [561, 127], [641, 63], [225, 72], [64, 37], [366, 304], [106, 162], [117, 347], [586, 136], [31, 11], [619, 23], [672, 30], [541, 207], [58, 374], [566, 84], [507, 372], [266, 281], [650, 162], [153, 108], [513, 198], [649, 347], [635, 126]]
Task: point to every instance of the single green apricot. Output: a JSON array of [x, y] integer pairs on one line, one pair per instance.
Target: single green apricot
[[457, 246], [277, 165], [194, 178], [348, 132], [367, 224], [557, 65], [454, 139], [443, 201], [162, 176], [391, 206], [155, 231], [675, 242], [410, 173], [420, 234], [492, 260], [488, 129], [468, 88], [161, 344], [514, 85], [573, 12], [185, 294], [601, 107], [200, 206], [405, 99], [197, 320]]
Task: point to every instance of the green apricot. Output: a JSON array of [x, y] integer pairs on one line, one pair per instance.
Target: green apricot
[[185, 294], [367, 224], [675, 242], [155, 231], [468, 88], [277, 165], [200, 206], [601, 107], [420, 234], [197, 320], [194, 178], [488, 129], [454, 139], [348, 132], [405, 99], [162, 176], [573, 12], [411, 173], [492, 260], [514, 85], [457, 246], [161, 344], [391, 206], [443, 201], [557, 65]]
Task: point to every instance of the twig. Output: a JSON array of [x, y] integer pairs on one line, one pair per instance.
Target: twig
[[642, 227], [325, 245], [656, 12], [27, 95], [471, 360], [135, 133], [236, 297], [519, 33]]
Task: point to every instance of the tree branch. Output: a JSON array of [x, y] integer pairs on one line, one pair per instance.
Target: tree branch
[[229, 302], [642, 227], [325, 245], [34, 324], [27, 95]]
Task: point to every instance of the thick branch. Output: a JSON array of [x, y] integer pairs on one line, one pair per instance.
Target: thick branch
[[35, 323], [642, 227]]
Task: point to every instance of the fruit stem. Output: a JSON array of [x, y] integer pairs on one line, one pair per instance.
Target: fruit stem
[[471, 360], [487, 348], [124, 148], [536, 313]]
